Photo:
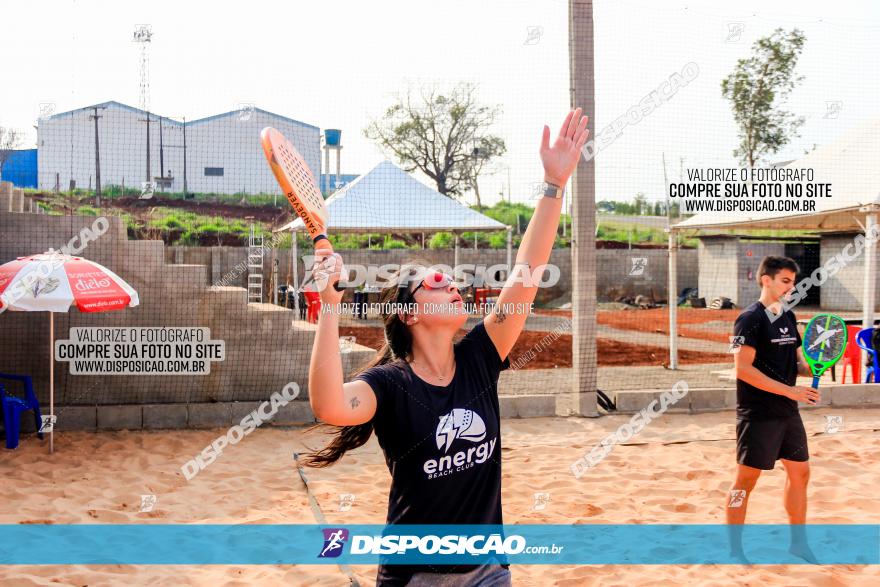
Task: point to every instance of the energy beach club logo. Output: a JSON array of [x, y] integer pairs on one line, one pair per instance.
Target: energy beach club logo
[[459, 424], [334, 542]]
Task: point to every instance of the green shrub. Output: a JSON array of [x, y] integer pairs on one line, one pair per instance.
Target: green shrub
[[88, 211], [209, 229], [188, 238], [498, 240], [393, 243], [170, 222], [442, 240]]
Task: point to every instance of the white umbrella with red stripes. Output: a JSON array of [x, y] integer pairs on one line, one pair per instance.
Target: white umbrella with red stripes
[[53, 282]]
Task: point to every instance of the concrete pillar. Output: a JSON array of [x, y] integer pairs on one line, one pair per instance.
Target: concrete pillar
[[294, 262], [869, 298], [510, 251], [18, 194], [6, 195], [581, 400], [672, 295]]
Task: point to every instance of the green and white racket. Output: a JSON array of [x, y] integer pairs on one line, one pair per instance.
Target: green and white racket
[[823, 344]]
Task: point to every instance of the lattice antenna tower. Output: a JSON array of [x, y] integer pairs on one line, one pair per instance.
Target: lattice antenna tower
[[143, 34]]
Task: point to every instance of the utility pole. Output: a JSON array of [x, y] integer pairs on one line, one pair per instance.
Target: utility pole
[[95, 117], [564, 210], [185, 193], [666, 187], [681, 170], [173, 146], [147, 120], [161, 152]]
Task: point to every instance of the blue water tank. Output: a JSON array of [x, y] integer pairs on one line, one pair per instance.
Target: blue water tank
[[332, 137], [21, 168]]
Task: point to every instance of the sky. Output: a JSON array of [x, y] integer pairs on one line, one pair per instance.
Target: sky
[[340, 64]]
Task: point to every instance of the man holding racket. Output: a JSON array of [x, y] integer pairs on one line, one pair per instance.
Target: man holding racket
[[433, 402], [769, 425]]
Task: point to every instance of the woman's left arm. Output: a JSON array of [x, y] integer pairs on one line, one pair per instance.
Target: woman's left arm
[[559, 161]]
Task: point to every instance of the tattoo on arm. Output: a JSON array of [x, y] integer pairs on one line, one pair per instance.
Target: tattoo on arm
[[499, 314], [355, 402]]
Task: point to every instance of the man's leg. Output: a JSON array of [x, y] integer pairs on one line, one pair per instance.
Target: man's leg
[[737, 503], [797, 476]]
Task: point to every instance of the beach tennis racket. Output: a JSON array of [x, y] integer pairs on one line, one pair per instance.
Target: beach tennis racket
[[823, 343], [299, 186]]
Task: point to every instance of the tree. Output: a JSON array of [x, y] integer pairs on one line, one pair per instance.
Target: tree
[[444, 135], [481, 154], [757, 88], [10, 139], [639, 203]]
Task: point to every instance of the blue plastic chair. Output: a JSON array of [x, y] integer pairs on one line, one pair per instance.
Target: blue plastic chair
[[14, 406], [863, 339]]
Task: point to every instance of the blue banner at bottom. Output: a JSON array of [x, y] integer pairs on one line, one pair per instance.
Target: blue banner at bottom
[[541, 544]]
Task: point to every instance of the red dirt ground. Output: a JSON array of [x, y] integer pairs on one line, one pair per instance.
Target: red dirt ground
[[558, 352], [657, 320]]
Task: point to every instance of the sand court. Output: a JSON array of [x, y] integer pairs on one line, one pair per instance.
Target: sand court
[[677, 470]]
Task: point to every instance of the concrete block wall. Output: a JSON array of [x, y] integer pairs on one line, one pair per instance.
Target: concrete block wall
[[714, 399], [728, 267], [12, 199], [615, 278], [718, 268], [844, 290], [749, 257], [166, 416], [265, 348], [227, 265]]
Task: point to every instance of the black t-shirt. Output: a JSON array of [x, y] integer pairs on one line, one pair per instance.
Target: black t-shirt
[[775, 345], [442, 444]]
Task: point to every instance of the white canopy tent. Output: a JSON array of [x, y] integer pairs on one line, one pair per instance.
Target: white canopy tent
[[851, 164], [388, 199]]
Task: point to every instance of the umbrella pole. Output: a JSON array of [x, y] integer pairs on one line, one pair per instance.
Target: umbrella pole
[[51, 381]]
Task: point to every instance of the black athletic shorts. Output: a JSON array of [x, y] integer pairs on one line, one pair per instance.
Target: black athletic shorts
[[760, 443]]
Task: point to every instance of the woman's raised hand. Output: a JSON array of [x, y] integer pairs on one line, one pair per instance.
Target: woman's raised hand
[[561, 159], [327, 271]]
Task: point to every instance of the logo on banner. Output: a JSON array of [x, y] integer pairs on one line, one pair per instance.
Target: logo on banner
[[334, 541], [91, 283]]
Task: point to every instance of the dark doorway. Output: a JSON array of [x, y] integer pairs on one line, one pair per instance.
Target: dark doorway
[[806, 255]]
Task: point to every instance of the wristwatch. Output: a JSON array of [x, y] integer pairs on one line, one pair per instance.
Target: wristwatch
[[551, 190]]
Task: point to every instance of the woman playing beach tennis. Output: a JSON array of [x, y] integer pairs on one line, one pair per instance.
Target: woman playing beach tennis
[[432, 402]]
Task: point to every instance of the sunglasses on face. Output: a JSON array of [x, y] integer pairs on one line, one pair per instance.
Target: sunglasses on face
[[434, 280]]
